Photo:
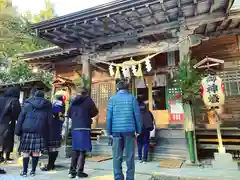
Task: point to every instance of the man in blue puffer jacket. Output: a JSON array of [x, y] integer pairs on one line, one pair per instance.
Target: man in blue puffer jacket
[[123, 122]]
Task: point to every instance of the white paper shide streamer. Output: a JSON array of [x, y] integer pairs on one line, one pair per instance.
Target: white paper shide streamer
[[148, 65], [111, 71]]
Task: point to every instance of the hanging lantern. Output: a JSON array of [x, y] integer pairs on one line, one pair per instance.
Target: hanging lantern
[[118, 74], [139, 72], [111, 72], [148, 65], [212, 90]]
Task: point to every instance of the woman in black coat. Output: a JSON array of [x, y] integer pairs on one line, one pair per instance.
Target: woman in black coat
[[34, 129], [9, 112]]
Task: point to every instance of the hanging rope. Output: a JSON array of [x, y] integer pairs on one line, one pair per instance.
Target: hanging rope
[[144, 59]]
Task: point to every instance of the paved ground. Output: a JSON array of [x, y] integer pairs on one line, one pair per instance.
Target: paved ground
[[103, 171]]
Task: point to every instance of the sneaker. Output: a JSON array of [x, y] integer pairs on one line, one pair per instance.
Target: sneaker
[[140, 161], [2, 171], [82, 175], [32, 173], [9, 159], [144, 162], [2, 160], [23, 174], [72, 174], [46, 168]]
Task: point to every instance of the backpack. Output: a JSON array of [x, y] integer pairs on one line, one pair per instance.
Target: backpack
[[148, 120]]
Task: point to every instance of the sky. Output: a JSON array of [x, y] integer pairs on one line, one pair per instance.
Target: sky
[[62, 7]]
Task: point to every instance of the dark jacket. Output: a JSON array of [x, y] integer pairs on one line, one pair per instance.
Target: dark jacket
[[35, 117], [147, 117], [123, 114], [58, 120], [81, 111], [9, 111]]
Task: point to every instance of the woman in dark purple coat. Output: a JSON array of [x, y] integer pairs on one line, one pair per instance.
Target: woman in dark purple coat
[[81, 111]]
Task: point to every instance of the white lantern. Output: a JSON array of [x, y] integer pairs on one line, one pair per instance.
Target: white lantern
[[213, 91]]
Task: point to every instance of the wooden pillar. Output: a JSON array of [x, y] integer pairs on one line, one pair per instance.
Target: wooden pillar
[[87, 73], [184, 52]]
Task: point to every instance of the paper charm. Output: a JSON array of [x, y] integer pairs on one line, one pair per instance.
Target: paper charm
[[134, 70], [118, 74], [126, 71], [111, 72], [148, 65]]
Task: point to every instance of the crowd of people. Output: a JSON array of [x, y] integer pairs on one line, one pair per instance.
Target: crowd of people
[[39, 125]]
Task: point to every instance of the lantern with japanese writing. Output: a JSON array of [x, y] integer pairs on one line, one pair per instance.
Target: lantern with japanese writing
[[212, 90]]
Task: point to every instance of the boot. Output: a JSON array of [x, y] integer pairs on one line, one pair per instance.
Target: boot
[[81, 163], [1, 157], [49, 166], [8, 157], [2, 171]]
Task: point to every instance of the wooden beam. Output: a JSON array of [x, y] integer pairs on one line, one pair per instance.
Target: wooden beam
[[211, 4], [116, 23], [179, 3], [137, 50], [63, 35], [164, 10], [54, 38], [75, 33], [126, 20], [94, 28], [106, 27], [88, 32], [235, 31], [228, 24], [195, 7], [165, 27], [153, 17], [139, 17], [206, 29]]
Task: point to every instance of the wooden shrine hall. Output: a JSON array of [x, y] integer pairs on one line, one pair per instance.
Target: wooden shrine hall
[[90, 40]]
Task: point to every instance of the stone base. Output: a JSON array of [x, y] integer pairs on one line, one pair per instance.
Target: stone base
[[189, 163], [224, 161]]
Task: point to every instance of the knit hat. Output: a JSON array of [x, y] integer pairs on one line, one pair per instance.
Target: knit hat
[[122, 85], [39, 93]]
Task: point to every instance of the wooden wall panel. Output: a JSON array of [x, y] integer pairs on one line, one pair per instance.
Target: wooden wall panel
[[227, 49]]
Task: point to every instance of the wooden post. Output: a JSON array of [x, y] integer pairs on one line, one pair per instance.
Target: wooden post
[[184, 49], [87, 73]]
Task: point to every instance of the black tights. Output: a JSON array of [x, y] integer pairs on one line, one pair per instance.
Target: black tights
[[78, 161]]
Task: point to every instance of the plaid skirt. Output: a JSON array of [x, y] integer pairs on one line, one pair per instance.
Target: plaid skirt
[[31, 142]]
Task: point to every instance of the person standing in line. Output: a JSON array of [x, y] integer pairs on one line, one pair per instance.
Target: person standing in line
[[123, 123], [143, 139], [9, 111], [81, 111], [57, 123], [34, 128]]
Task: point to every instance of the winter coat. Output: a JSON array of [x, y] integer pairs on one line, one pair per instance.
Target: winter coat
[[123, 114], [58, 120], [9, 111], [36, 117], [81, 111], [147, 117]]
